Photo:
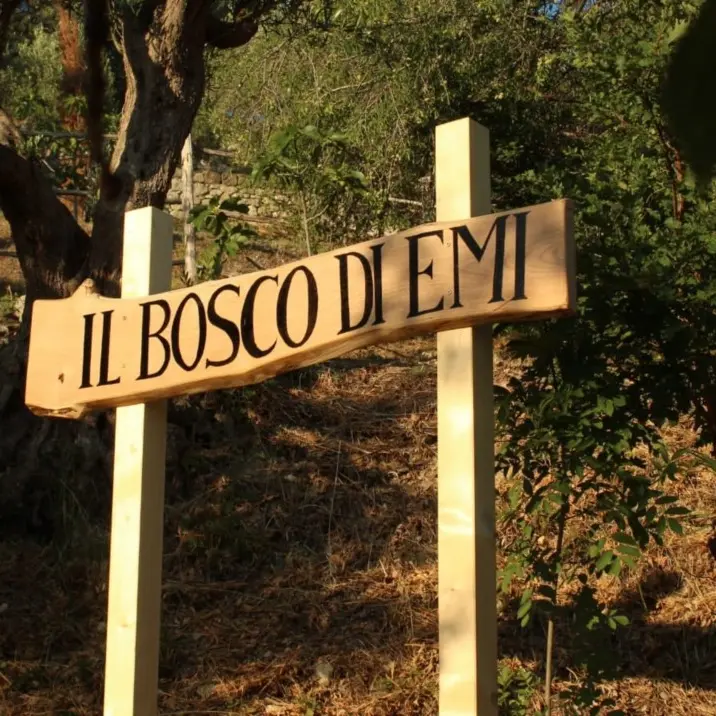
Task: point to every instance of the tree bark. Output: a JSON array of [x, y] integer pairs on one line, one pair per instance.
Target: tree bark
[[162, 46], [187, 204], [164, 69], [51, 247]]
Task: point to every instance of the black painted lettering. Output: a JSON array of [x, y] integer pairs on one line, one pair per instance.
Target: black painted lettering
[[104, 350], [282, 307], [176, 333], [498, 270], [463, 233], [520, 254], [414, 274], [247, 319], [499, 228], [378, 277], [223, 323], [146, 335], [345, 294], [87, 352], [373, 286]]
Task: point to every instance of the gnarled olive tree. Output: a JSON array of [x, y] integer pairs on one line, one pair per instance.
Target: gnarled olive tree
[[162, 44]]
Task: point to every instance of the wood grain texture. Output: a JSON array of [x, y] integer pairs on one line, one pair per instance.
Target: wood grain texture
[[467, 612], [135, 571], [89, 352]]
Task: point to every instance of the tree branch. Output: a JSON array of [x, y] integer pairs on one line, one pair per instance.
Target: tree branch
[[224, 35], [51, 246]]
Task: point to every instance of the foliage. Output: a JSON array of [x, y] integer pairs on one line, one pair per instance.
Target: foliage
[[315, 165], [583, 419], [571, 98], [387, 72], [30, 81], [8, 302], [571, 94], [228, 236], [516, 687]]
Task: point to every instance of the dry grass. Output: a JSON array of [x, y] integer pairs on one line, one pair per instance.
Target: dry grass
[[301, 533]]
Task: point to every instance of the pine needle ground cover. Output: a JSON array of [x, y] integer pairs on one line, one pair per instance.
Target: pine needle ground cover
[[300, 571]]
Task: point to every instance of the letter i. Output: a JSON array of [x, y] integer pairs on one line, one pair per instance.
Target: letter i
[[104, 351], [87, 351]]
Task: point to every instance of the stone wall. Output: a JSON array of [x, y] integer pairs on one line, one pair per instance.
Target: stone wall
[[215, 178]]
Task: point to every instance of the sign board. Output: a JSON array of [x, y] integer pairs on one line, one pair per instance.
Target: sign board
[[89, 352]]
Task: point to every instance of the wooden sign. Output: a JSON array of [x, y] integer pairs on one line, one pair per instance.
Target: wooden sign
[[89, 352]]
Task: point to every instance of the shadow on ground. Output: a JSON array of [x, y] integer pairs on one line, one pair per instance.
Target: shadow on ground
[[300, 530]]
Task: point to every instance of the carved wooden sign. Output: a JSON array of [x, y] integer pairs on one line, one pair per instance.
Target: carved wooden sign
[[89, 352]]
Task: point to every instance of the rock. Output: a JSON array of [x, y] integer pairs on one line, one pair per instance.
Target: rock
[[212, 177]]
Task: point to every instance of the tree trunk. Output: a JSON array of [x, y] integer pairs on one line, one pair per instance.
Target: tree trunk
[[51, 247], [73, 69], [162, 47], [164, 69]]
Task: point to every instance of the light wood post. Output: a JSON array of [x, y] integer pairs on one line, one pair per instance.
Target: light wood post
[[135, 572], [466, 483]]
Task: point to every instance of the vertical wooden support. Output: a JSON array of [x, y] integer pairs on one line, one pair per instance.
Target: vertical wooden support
[[466, 476], [187, 204], [135, 571]]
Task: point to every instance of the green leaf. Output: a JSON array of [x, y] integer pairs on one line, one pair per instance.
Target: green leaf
[[604, 560], [310, 130], [624, 538], [629, 549], [524, 609], [675, 526], [678, 511]]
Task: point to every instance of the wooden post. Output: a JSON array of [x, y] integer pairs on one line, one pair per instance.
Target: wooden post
[[187, 204], [135, 571], [466, 488]]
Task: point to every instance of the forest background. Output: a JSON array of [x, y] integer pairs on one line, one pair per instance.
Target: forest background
[[300, 564]]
